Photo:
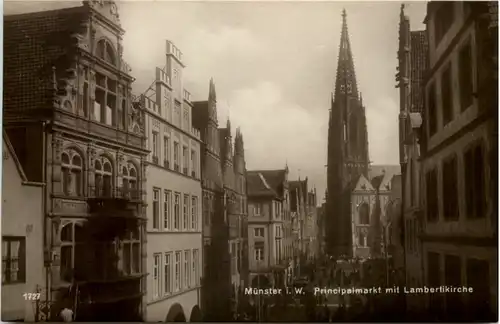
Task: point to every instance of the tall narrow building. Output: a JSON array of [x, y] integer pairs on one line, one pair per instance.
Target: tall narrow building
[[347, 149]]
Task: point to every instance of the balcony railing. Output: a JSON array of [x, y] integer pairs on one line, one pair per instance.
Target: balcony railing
[[115, 193]]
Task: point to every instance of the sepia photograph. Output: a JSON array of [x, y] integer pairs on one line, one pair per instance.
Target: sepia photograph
[[249, 161]]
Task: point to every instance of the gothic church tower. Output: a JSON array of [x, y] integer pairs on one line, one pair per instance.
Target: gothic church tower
[[347, 148]]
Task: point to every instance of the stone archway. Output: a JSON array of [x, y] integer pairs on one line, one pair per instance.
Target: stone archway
[[176, 314], [196, 315]]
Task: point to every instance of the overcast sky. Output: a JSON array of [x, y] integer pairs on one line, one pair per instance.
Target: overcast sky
[[274, 67]]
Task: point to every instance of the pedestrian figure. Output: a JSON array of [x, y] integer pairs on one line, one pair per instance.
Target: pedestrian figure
[[66, 315]]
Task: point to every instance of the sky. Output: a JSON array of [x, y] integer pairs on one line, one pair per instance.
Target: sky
[[274, 65]]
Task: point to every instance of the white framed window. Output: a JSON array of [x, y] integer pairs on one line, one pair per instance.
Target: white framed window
[[194, 213], [185, 160], [185, 214], [167, 273], [177, 271], [196, 275], [130, 252], [155, 147], [259, 252], [103, 177], [166, 152], [72, 175], [257, 209], [193, 163], [105, 99], [167, 203], [156, 275], [258, 232], [156, 208], [13, 259], [176, 156], [278, 231], [177, 211], [187, 269]]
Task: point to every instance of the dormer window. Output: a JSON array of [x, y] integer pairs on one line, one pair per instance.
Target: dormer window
[[105, 52]]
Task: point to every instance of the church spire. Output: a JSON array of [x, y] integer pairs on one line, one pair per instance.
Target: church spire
[[345, 81]]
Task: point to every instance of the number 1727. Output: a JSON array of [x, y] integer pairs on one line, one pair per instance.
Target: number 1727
[[31, 296]]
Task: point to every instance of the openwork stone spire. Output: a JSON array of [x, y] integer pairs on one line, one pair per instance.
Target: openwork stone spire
[[345, 82]]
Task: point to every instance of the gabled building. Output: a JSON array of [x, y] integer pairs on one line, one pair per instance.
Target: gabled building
[[224, 208], [173, 194], [23, 273], [69, 114], [268, 205]]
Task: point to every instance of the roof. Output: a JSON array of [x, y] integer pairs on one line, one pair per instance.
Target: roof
[[265, 182], [34, 43]]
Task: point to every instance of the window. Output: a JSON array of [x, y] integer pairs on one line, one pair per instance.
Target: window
[[105, 100], [257, 209], [447, 95], [156, 208], [185, 214], [411, 170], [443, 19], [167, 201], [130, 255], [186, 119], [104, 51], [177, 114], [129, 175], [361, 239], [122, 112], [234, 258], [450, 190], [478, 277], [167, 273], [103, 177], [206, 211], [465, 75], [364, 214], [167, 103], [196, 275], [72, 179], [194, 213], [176, 156], [193, 163], [432, 196], [453, 278], [185, 161], [187, 269], [177, 210], [13, 259], [258, 232], [259, 251], [177, 271], [278, 231], [431, 109], [155, 147], [156, 275], [84, 97], [166, 152], [72, 238], [475, 198]]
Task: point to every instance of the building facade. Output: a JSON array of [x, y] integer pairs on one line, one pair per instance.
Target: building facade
[[347, 149], [459, 159], [413, 61], [224, 212], [86, 143], [268, 203], [23, 274], [173, 196]]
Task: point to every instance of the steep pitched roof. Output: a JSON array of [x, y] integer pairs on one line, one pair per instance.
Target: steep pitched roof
[[271, 179], [34, 43], [12, 153], [362, 185], [257, 185]]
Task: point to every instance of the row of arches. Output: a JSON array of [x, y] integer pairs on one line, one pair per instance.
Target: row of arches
[[176, 314], [72, 169]]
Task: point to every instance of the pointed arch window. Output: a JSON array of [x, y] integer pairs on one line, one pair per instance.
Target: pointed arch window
[[103, 177], [364, 214], [130, 187], [353, 133], [106, 52], [72, 179]]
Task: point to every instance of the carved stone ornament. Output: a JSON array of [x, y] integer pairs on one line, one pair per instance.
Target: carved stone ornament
[[120, 158], [92, 152], [57, 143]]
